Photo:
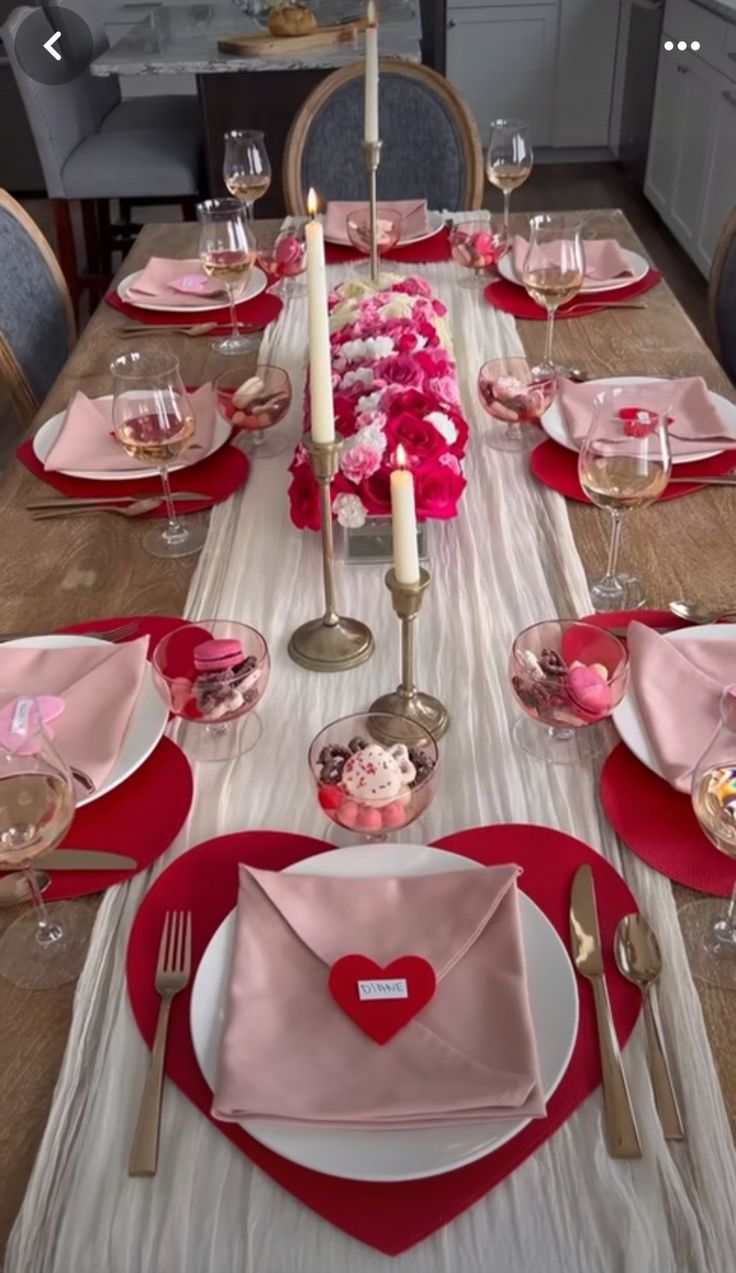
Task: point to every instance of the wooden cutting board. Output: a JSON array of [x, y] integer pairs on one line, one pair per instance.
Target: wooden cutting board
[[266, 44]]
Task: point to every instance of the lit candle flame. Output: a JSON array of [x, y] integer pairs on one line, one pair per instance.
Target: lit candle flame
[[402, 461], [312, 204], [371, 16]]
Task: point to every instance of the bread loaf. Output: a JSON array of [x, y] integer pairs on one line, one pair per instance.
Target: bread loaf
[[291, 19]]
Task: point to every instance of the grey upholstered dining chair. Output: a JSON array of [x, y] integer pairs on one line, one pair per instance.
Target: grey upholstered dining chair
[[37, 327], [431, 147], [722, 298], [94, 147]]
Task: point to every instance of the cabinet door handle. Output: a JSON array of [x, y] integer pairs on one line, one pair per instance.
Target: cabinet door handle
[[729, 96], [452, 23]]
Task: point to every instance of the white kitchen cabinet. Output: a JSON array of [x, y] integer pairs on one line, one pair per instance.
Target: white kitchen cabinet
[[691, 169], [502, 60], [584, 73]]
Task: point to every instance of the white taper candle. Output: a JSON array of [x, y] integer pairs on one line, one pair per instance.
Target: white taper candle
[[320, 366], [371, 74], [404, 521]]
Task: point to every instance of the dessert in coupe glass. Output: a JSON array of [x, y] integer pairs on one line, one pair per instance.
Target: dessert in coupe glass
[[709, 924], [388, 229], [286, 263], [46, 946], [515, 395], [478, 248], [568, 676], [624, 463], [253, 402], [213, 674], [367, 785], [154, 423]]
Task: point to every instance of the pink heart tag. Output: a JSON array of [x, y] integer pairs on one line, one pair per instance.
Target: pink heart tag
[[21, 720]]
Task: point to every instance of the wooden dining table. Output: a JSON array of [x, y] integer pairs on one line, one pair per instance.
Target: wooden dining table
[[61, 573]]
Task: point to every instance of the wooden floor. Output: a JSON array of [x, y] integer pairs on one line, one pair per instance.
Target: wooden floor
[[553, 187]]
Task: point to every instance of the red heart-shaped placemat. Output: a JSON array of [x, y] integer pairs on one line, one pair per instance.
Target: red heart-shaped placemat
[[557, 467], [388, 1216], [259, 312], [511, 298], [381, 1018], [658, 824]]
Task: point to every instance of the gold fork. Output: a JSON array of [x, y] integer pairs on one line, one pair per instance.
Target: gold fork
[[172, 975], [108, 634]]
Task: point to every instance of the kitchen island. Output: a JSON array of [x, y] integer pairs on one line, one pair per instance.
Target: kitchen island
[[250, 92]]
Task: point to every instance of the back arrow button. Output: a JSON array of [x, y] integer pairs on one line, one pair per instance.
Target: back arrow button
[[49, 45]]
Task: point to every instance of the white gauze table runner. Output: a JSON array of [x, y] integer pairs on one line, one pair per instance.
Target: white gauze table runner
[[507, 561]]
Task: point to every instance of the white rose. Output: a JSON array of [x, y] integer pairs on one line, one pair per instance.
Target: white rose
[[444, 425], [349, 510]]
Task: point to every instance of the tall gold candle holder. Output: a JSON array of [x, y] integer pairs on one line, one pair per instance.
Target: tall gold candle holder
[[372, 155], [407, 701], [332, 643]]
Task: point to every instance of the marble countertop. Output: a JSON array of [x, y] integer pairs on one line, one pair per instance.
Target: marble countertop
[[182, 40]]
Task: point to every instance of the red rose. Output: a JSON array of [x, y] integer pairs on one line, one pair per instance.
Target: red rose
[[438, 491], [423, 443], [412, 400], [304, 498], [375, 492]]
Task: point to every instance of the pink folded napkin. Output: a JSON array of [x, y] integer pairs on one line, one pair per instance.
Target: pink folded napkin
[[288, 1051], [180, 283], [678, 687], [87, 442], [604, 259], [696, 425], [414, 212], [99, 686]]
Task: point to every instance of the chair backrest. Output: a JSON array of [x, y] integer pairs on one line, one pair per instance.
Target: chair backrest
[[722, 298], [61, 115], [431, 148], [37, 327]]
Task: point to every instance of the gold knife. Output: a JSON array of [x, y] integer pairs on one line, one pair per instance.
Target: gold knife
[[622, 1137], [84, 860]]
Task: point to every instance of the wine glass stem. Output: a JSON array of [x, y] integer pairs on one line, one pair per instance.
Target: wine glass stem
[[175, 532], [47, 932], [549, 334], [259, 437], [233, 310], [506, 209], [250, 210], [613, 547]]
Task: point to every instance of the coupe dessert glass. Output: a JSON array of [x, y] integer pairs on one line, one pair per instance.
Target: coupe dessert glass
[[388, 229], [568, 677], [624, 463], [478, 248], [370, 787], [212, 674], [253, 402], [709, 924], [46, 946], [514, 395], [286, 264]]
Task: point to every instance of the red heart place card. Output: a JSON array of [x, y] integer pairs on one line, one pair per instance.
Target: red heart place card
[[381, 1001]]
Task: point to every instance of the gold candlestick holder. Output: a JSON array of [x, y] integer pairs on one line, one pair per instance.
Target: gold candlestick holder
[[372, 155], [407, 701], [332, 643]]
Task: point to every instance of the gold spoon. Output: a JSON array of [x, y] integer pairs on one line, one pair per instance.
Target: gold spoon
[[137, 509], [639, 960], [692, 612]]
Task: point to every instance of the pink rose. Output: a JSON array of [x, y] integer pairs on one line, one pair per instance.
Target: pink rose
[[445, 388], [359, 463], [437, 492], [413, 286], [400, 370]]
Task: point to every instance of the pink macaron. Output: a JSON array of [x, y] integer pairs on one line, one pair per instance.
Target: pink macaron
[[218, 656]]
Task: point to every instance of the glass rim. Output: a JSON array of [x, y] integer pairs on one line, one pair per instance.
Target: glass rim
[[389, 716], [365, 212], [261, 658], [224, 207], [569, 219], [578, 623], [239, 134], [122, 365], [501, 361], [250, 375], [511, 122]]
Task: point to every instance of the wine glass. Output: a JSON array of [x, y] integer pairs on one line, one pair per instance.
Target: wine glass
[[476, 246], [46, 946], [514, 394], [154, 422], [624, 463], [212, 675], [568, 676], [709, 925], [246, 167], [509, 160], [253, 401], [227, 250], [369, 784], [554, 267]]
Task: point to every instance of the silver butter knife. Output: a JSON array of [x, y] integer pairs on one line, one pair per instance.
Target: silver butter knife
[[84, 860], [622, 1137]]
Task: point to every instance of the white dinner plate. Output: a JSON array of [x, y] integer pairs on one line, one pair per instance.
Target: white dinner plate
[[147, 722], [407, 1154], [627, 716], [553, 421], [637, 264], [257, 283], [435, 219], [49, 432]]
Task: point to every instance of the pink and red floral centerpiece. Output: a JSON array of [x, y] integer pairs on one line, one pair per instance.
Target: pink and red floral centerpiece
[[394, 383]]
